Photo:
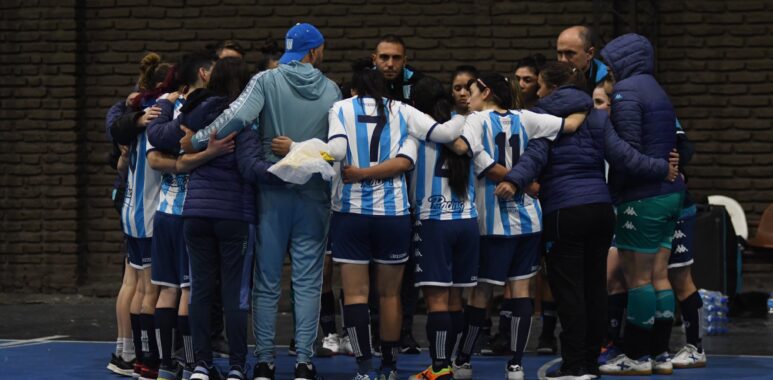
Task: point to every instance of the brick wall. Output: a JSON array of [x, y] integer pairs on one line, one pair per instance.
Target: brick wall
[[65, 62]]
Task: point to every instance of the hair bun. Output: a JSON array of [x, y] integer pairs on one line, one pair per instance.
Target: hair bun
[[149, 60]]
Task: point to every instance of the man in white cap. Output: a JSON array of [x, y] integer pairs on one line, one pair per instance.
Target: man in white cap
[[293, 101]]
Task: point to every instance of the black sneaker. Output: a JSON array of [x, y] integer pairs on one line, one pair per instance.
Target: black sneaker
[[291, 349], [561, 374], [497, 345], [263, 371], [408, 344], [547, 345], [237, 373], [120, 367], [305, 371]]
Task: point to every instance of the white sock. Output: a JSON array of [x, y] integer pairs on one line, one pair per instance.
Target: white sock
[[128, 350], [118, 347]]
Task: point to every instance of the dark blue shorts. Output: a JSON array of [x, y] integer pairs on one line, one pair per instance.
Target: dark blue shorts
[[139, 252], [446, 253], [505, 259], [170, 255], [358, 239], [681, 250]]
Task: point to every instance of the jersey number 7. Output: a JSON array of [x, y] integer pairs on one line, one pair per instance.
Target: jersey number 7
[[375, 140]]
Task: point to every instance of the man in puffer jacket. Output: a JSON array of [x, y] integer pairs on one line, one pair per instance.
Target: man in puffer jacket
[[647, 210]]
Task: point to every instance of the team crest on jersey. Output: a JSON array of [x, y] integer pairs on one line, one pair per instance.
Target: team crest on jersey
[[439, 202]]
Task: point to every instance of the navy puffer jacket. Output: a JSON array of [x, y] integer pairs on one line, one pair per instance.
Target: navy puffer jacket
[[642, 115], [217, 189], [573, 174]]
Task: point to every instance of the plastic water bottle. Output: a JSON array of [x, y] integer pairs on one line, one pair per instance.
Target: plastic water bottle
[[715, 312], [770, 304]]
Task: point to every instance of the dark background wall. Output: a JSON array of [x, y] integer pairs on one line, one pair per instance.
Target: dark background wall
[[63, 63]]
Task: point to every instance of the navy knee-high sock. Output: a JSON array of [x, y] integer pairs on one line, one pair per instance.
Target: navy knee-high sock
[[149, 346], [616, 305], [438, 329], [691, 315], [185, 330], [165, 320], [522, 309], [457, 325], [504, 317], [137, 336], [358, 326], [474, 320], [327, 314]]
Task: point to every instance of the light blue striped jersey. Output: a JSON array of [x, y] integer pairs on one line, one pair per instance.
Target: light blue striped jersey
[[503, 137], [370, 142], [173, 186], [142, 187], [431, 194]]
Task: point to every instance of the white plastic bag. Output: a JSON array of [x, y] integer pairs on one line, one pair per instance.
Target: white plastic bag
[[304, 160]]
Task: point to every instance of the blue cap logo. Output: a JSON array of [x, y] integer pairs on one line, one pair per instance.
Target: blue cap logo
[[299, 40]]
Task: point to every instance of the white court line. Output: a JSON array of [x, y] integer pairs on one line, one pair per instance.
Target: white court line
[[542, 371], [28, 342]]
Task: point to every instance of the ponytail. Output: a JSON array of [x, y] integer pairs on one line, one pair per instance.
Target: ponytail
[[558, 74], [369, 82], [148, 66]]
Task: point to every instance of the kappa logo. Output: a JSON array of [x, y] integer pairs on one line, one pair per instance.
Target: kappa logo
[[630, 211], [664, 315], [679, 234], [629, 226], [418, 223], [288, 43], [418, 269], [416, 238], [618, 96], [681, 249], [650, 321], [417, 253]]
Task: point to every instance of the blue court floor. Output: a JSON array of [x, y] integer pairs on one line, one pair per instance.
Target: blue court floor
[[46, 359]]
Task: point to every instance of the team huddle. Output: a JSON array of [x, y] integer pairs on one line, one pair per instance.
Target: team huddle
[[570, 170]]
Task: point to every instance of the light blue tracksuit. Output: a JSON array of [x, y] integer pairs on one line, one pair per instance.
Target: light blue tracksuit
[[292, 100]]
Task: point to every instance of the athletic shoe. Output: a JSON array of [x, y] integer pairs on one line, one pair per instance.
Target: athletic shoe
[[497, 345], [408, 344], [608, 353], [237, 373], [120, 367], [689, 357], [592, 372], [429, 374], [372, 375], [625, 366], [137, 369], [345, 346], [149, 373], [387, 373], [330, 346], [514, 372], [220, 348], [263, 371], [560, 374], [461, 371], [662, 365], [305, 371], [187, 373], [547, 345], [205, 372], [167, 373]]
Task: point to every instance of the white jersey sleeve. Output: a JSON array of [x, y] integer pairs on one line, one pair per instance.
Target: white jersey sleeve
[[539, 125], [409, 149], [482, 162], [425, 128], [472, 133]]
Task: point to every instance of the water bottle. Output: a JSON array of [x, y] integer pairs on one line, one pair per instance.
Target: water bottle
[[770, 304]]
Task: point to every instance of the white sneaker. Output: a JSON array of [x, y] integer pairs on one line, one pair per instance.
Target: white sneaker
[[689, 357], [625, 366], [345, 346], [514, 372], [330, 346], [661, 365], [462, 371]]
